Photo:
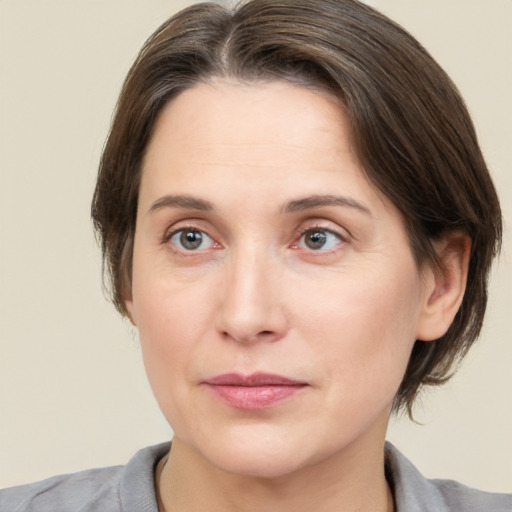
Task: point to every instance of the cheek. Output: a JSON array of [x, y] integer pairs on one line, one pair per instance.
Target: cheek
[[171, 318], [167, 332], [365, 330], [169, 306]]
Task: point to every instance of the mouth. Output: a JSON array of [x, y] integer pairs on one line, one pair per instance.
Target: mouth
[[254, 391]]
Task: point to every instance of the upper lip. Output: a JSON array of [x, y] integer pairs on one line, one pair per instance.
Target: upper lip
[[253, 380]]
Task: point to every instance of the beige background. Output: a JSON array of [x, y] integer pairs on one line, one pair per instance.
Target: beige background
[[72, 390]]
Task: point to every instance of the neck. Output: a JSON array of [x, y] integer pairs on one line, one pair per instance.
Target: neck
[[353, 482]]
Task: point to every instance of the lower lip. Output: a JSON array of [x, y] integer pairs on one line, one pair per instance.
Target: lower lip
[[254, 397]]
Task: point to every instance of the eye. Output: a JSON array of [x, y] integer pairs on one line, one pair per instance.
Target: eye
[[319, 240], [189, 239]]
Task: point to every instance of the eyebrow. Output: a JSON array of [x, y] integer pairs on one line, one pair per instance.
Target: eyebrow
[[316, 201], [181, 201], [297, 205]]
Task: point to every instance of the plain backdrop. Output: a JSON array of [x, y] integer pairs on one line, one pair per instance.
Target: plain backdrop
[[72, 388]]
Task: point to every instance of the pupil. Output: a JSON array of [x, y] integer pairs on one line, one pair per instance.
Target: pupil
[[316, 240], [191, 239]]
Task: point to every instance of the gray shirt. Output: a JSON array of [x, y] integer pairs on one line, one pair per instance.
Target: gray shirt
[[130, 488]]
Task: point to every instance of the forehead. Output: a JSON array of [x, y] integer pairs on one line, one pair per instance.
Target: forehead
[[252, 127], [231, 102]]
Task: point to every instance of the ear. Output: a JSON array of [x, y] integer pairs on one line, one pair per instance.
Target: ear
[[444, 285]]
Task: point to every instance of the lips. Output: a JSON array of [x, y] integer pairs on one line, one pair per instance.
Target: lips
[[255, 391]]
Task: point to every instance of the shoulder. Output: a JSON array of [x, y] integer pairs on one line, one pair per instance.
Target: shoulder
[[110, 489], [468, 499], [77, 491], [415, 493]]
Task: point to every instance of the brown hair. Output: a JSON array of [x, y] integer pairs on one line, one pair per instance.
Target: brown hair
[[411, 130]]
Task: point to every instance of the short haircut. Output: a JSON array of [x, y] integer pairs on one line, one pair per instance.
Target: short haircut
[[410, 128]]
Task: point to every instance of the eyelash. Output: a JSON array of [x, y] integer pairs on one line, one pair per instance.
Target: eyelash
[[301, 233], [319, 230], [184, 230]]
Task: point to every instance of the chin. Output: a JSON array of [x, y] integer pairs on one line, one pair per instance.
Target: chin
[[260, 452], [259, 463], [250, 451]]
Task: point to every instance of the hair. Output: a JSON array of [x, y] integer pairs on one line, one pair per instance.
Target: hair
[[411, 131]]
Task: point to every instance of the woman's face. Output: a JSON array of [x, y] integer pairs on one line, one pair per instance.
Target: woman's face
[[274, 290]]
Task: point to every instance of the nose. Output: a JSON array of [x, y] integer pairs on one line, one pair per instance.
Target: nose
[[252, 306]]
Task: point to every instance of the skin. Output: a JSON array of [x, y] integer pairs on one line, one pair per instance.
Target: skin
[[254, 296]]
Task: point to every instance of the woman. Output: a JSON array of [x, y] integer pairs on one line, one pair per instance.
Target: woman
[[296, 216]]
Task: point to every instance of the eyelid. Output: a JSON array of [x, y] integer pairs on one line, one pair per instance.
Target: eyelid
[[190, 225], [323, 225], [196, 224], [342, 234]]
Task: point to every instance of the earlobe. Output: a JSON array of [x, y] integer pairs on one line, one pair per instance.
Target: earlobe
[[444, 285]]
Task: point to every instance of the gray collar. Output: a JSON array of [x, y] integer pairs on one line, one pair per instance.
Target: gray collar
[[415, 493]]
